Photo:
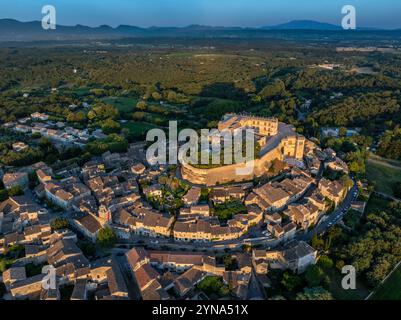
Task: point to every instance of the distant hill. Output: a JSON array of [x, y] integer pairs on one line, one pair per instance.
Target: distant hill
[[13, 30], [304, 25]]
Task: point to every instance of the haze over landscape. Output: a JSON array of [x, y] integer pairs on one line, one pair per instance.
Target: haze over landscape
[[241, 13]]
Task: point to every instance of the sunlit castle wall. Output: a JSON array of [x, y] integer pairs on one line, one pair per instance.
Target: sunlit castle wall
[[292, 147]]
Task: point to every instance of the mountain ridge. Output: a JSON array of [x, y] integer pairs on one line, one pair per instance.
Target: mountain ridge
[[14, 30]]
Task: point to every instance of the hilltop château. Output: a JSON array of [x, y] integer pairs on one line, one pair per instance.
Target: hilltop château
[[277, 140], [262, 126]]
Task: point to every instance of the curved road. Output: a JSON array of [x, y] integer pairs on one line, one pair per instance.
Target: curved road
[[335, 216]]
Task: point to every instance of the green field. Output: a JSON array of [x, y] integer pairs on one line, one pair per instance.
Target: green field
[[390, 289], [138, 129], [383, 173], [123, 104], [81, 91], [376, 204]]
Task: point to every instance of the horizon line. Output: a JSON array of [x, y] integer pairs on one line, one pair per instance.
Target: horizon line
[[375, 28]]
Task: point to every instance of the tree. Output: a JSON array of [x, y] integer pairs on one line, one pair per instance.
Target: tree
[[45, 143], [141, 105], [110, 126], [340, 265], [272, 90], [213, 285], [314, 275], [3, 265], [212, 124], [113, 143], [138, 115], [171, 96], [3, 195], [230, 263], [380, 270], [316, 293], [317, 243], [156, 96], [291, 281], [59, 223], [16, 251], [76, 117], [342, 132], [88, 248], [103, 112], [325, 262], [106, 237], [15, 191], [347, 181], [33, 180], [227, 210], [36, 135]]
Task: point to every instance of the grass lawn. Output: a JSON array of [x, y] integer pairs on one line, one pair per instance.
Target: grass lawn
[[138, 129], [123, 104], [80, 92], [390, 289], [360, 293], [375, 204], [383, 173]]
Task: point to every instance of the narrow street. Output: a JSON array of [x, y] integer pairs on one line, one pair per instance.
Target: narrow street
[[132, 286]]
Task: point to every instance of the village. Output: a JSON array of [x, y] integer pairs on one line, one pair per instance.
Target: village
[[169, 231], [58, 132]]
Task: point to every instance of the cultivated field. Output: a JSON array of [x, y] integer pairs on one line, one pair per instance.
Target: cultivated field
[[384, 173], [391, 288]]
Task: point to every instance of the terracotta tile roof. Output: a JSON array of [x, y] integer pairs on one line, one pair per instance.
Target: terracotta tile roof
[[192, 195], [145, 274], [188, 280], [115, 281], [10, 178], [42, 175], [298, 250], [14, 274], [79, 290], [90, 223], [271, 194], [154, 292], [219, 193], [135, 255], [32, 230], [176, 258]]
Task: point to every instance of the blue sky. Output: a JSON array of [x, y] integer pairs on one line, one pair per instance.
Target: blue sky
[[252, 13]]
